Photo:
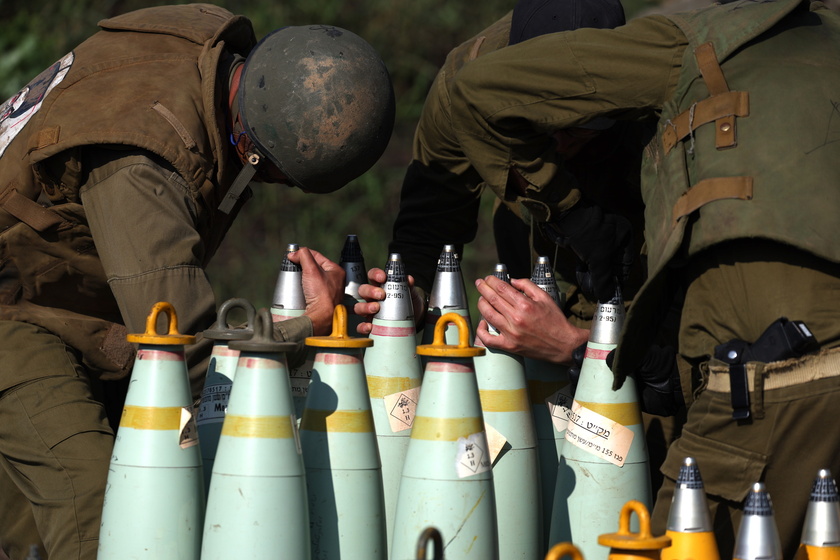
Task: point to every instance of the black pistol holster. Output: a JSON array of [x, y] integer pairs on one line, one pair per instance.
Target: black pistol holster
[[782, 340]]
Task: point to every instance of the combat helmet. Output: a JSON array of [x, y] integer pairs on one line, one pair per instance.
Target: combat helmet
[[317, 101]]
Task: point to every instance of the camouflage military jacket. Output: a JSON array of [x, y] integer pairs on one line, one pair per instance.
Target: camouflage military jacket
[[147, 80]]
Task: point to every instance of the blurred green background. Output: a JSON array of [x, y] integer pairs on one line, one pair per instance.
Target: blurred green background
[[412, 36]]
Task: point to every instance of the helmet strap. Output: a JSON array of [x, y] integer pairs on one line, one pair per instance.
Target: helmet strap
[[249, 169], [238, 186]]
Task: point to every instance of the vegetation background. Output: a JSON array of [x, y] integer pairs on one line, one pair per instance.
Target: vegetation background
[[413, 37]]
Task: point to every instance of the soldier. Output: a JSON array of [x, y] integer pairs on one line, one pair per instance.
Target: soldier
[[121, 168], [743, 97], [441, 196], [441, 191]]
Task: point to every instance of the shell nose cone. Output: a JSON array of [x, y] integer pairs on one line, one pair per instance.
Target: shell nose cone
[[758, 501], [758, 537], [288, 291], [543, 277], [448, 288], [689, 510], [397, 303], [822, 518], [352, 250]]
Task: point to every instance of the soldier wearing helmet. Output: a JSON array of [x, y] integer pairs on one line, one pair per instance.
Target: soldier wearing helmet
[[121, 168]]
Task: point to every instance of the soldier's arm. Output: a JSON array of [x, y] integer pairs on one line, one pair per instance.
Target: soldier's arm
[[506, 105], [441, 192], [141, 214], [440, 195], [142, 217]]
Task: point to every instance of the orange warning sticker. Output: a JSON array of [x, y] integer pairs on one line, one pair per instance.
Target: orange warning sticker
[[598, 435], [473, 455], [401, 407]]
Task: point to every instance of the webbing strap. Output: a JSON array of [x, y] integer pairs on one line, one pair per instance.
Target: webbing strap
[[710, 69], [475, 48], [709, 190], [28, 211], [716, 83], [735, 103], [170, 117], [235, 191]]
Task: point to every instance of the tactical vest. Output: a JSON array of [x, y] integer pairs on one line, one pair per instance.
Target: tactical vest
[[147, 80], [748, 145]]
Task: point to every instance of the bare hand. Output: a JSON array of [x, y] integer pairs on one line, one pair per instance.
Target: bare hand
[[323, 287], [373, 293], [528, 320]]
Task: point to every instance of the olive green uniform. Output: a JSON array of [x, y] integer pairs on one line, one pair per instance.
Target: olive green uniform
[[441, 193], [740, 196], [129, 154]]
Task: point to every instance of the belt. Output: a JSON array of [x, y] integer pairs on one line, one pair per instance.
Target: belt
[[777, 375]]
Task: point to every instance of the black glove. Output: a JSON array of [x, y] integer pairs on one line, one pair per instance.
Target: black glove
[[659, 381], [602, 241]]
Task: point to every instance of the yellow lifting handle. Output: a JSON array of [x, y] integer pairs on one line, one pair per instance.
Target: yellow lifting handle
[[439, 348], [558, 551], [339, 337], [640, 542], [151, 335]]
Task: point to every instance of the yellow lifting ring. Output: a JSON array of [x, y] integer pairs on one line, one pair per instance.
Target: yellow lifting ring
[[440, 349], [624, 541], [339, 337], [558, 551], [151, 335]]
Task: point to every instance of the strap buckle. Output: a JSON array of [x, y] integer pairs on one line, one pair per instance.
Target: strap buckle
[[739, 388]]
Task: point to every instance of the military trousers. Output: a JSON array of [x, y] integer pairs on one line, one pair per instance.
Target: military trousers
[[791, 434], [55, 447]]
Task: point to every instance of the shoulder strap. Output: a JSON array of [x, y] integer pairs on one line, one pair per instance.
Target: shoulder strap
[[28, 211]]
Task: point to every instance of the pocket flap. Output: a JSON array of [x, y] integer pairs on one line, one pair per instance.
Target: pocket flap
[[62, 422], [727, 471]]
